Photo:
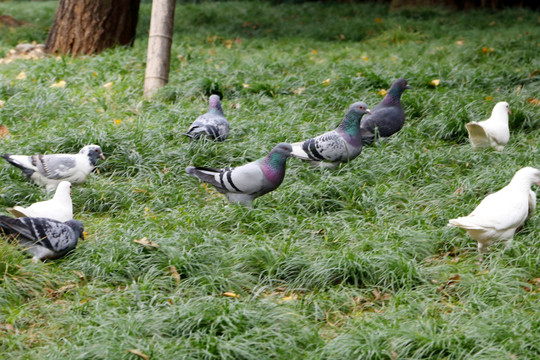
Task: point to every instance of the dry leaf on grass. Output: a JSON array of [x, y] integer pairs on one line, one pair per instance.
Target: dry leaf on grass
[[139, 353], [145, 242]]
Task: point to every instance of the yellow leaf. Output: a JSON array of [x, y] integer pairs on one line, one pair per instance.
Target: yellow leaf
[[117, 121], [21, 76], [246, 86], [231, 294], [487, 50], [2, 103], [460, 42], [435, 82], [59, 84], [228, 44], [299, 91], [174, 273], [378, 20], [85, 234], [382, 92], [314, 51], [365, 58], [533, 101], [326, 82], [489, 98], [139, 353], [108, 85]]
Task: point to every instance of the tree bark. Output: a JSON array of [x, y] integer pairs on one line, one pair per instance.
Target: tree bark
[[91, 26], [159, 46]]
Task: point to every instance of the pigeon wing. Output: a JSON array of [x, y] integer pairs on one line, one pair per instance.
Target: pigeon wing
[[57, 166]]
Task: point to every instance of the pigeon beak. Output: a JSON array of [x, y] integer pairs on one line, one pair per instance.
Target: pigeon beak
[[368, 111], [102, 156], [408, 87]]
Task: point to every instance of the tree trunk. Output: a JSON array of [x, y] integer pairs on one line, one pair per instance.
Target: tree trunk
[[159, 46], [91, 26]]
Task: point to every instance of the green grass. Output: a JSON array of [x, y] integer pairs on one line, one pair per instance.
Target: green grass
[[356, 263]]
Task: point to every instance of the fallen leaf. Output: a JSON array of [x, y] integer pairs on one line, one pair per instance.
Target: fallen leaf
[[460, 42], [533, 101], [4, 131], [326, 82], [117, 121], [314, 51], [487, 50], [382, 92], [378, 20], [108, 85], [139, 354], [435, 82], [2, 103], [299, 91], [174, 273], [489, 98], [518, 89], [79, 274], [364, 57], [145, 242], [228, 44], [21, 76], [231, 294], [246, 86], [59, 84]]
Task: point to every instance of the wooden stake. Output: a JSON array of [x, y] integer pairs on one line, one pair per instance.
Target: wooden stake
[[159, 46]]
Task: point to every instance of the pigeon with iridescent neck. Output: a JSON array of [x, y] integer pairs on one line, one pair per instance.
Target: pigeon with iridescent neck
[[245, 183], [388, 117], [212, 124], [337, 146]]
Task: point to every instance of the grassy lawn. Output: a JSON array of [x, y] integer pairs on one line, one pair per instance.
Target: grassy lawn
[[352, 263]]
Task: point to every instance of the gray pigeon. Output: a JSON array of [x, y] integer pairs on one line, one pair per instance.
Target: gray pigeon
[[50, 170], [247, 182], [337, 146], [388, 117], [43, 238], [213, 123]]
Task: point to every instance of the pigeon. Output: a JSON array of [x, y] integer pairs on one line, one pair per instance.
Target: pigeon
[[213, 123], [50, 170], [492, 132], [388, 117], [245, 183], [337, 146], [43, 238], [500, 214], [59, 208]]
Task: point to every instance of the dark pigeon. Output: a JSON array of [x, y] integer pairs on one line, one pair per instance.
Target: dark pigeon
[[50, 170], [337, 146], [212, 124], [43, 238], [247, 182], [388, 117]]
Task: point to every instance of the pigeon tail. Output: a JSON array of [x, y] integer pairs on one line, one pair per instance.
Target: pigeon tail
[[26, 171], [17, 211], [477, 135]]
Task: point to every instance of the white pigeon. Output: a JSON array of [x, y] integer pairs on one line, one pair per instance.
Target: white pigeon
[[42, 238], [493, 132], [50, 170], [500, 214], [60, 207]]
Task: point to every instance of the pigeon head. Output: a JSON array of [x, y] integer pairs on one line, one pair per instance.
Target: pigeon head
[[351, 121], [63, 189], [214, 103], [528, 174], [397, 88], [273, 165], [77, 226], [501, 107], [94, 152]]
